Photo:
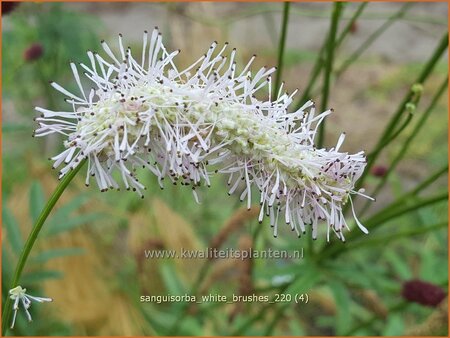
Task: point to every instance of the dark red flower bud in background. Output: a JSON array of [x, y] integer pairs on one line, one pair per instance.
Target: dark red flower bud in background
[[33, 52], [379, 170], [354, 27], [421, 292], [8, 7]]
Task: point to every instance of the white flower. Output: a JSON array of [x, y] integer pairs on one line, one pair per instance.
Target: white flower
[[18, 295], [179, 124]]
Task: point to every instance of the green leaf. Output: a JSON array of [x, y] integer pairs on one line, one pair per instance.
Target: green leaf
[[401, 268], [14, 237], [74, 221], [295, 328], [191, 327], [394, 326], [56, 253], [350, 272], [39, 276], [309, 277], [342, 300], [432, 215], [171, 280], [62, 213], [377, 275], [433, 268], [37, 200], [159, 320]]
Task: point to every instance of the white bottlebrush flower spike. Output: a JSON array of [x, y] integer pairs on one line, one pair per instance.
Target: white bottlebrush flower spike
[[181, 123], [19, 296]]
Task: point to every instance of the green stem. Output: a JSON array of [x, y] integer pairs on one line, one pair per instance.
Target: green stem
[[426, 71], [384, 216], [386, 239], [429, 180], [372, 38], [262, 8], [377, 220], [397, 132], [418, 189], [412, 108], [32, 239], [312, 79], [281, 47], [350, 24], [405, 146], [320, 61], [414, 133], [329, 66], [316, 70]]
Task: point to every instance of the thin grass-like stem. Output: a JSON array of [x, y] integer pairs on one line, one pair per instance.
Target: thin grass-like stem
[[329, 66], [426, 71], [282, 47], [348, 28], [32, 239], [377, 220], [386, 215], [318, 66], [413, 193], [407, 143], [386, 239], [429, 180], [368, 42]]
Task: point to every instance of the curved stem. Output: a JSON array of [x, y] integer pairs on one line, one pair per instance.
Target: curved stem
[[372, 38], [432, 178], [406, 144], [386, 239], [351, 23], [386, 215], [378, 220], [426, 71], [32, 239], [429, 180]]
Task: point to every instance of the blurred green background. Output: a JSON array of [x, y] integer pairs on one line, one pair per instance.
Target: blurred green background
[[90, 257]]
